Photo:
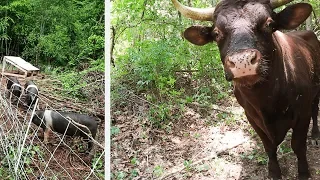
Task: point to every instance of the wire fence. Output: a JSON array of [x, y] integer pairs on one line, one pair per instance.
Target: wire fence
[[24, 152]]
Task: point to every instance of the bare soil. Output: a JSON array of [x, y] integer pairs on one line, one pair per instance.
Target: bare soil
[[219, 146]]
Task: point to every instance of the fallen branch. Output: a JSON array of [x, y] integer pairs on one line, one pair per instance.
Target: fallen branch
[[182, 167], [55, 88], [65, 99], [216, 108], [46, 80], [79, 108]]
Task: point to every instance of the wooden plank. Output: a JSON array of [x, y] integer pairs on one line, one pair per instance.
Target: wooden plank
[[19, 62], [11, 74], [15, 65]]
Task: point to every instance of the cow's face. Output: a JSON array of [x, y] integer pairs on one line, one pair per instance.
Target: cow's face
[[243, 32]]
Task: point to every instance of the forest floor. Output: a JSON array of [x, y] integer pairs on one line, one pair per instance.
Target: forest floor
[[220, 146]]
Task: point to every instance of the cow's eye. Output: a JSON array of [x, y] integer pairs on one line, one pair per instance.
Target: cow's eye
[[217, 34], [269, 24]]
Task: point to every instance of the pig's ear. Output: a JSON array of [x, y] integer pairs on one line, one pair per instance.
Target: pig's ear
[[199, 35]]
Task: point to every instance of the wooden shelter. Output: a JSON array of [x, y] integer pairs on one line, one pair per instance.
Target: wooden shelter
[[26, 69]]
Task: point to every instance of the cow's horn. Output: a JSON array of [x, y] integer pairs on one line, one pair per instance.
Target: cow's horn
[[278, 3], [202, 14]]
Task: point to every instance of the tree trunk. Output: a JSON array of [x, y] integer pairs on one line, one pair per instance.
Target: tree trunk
[[308, 21], [113, 33], [214, 3]]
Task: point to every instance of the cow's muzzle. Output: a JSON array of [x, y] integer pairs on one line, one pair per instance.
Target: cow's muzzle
[[242, 63]]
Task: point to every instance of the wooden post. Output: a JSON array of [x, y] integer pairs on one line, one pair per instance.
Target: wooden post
[[3, 65]]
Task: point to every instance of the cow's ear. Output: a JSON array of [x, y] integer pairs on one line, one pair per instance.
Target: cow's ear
[[199, 35], [292, 16]]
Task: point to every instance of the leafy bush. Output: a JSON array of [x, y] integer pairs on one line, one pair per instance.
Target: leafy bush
[[155, 63], [170, 70], [84, 85]]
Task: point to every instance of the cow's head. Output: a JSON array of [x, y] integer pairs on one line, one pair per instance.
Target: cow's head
[[243, 31]]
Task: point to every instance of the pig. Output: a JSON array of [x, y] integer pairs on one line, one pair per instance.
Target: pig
[[14, 87], [72, 124], [31, 91]]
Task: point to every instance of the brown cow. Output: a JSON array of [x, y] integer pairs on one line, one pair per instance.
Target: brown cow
[[275, 74]]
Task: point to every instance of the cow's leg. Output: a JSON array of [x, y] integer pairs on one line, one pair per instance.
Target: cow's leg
[[298, 144], [315, 128], [270, 147], [274, 170]]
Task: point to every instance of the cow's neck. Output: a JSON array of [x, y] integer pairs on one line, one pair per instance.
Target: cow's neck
[[285, 80]]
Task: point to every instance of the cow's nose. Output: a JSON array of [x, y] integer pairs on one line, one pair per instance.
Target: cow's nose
[[243, 63]]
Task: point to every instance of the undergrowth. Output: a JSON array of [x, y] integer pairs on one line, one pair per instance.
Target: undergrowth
[[81, 85], [168, 75]]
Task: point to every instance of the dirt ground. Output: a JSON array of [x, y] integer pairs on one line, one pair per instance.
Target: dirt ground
[[221, 146]]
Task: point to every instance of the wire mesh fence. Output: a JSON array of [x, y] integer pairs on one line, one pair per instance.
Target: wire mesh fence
[[27, 155]]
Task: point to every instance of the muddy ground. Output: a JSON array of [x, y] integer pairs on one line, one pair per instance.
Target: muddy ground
[[219, 146]]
